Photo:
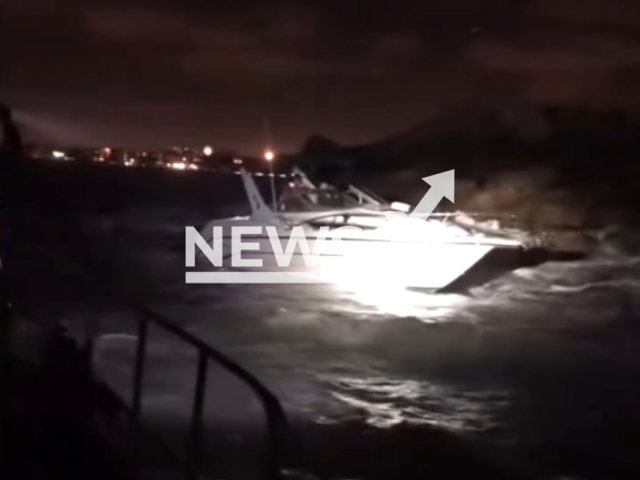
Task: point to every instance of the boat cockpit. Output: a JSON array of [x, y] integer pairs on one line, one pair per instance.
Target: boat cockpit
[[308, 199]]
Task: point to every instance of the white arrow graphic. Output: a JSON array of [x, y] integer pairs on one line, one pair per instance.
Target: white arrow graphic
[[442, 185]]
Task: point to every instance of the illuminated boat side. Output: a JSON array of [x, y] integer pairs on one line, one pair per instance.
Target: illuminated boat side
[[410, 252]]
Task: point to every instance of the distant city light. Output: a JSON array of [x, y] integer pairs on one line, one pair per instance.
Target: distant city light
[[268, 155], [208, 151], [237, 161], [178, 165], [107, 151], [193, 167], [58, 154]]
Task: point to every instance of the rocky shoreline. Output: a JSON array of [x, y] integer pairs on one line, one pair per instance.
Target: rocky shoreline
[[536, 200]]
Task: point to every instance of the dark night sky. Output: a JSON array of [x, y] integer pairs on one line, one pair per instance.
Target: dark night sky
[[193, 71]]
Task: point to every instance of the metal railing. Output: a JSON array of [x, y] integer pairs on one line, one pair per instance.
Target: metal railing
[[275, 416], [276, 422]]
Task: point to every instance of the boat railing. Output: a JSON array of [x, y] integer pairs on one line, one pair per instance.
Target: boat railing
[[276, 422]]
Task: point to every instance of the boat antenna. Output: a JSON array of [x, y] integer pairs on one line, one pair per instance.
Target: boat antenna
[[269, 156]]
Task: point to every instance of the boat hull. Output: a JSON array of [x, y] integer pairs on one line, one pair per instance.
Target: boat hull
[[410, 264]]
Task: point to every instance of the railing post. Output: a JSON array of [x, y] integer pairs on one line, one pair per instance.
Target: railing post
[[195, 433], [141, 346], [275, 430]]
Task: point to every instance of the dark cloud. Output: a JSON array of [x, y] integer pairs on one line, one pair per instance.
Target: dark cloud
[[568, 51], [143, 72]]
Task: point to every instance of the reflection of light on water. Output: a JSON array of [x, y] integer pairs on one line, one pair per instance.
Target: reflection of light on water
[[388, 402], [382, 286], [386, 291], [380, 414], [390, 300]]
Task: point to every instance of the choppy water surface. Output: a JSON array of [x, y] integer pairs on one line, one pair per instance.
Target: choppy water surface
[[543, 362]]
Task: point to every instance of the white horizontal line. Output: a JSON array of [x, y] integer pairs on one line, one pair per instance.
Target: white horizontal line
[[255, 277]]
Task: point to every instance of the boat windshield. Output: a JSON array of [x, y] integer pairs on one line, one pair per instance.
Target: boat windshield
[[305, 199]]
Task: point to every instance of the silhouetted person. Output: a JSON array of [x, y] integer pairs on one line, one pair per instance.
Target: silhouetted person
[[10, 151], [11, 146]]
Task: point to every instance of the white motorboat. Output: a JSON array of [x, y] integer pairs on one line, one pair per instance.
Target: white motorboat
[[386, 244]]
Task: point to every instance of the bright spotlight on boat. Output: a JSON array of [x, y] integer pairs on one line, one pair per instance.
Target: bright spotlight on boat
[[269, 155], [208, 151]]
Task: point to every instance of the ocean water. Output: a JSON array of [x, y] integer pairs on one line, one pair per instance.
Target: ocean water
[[537, 371]]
